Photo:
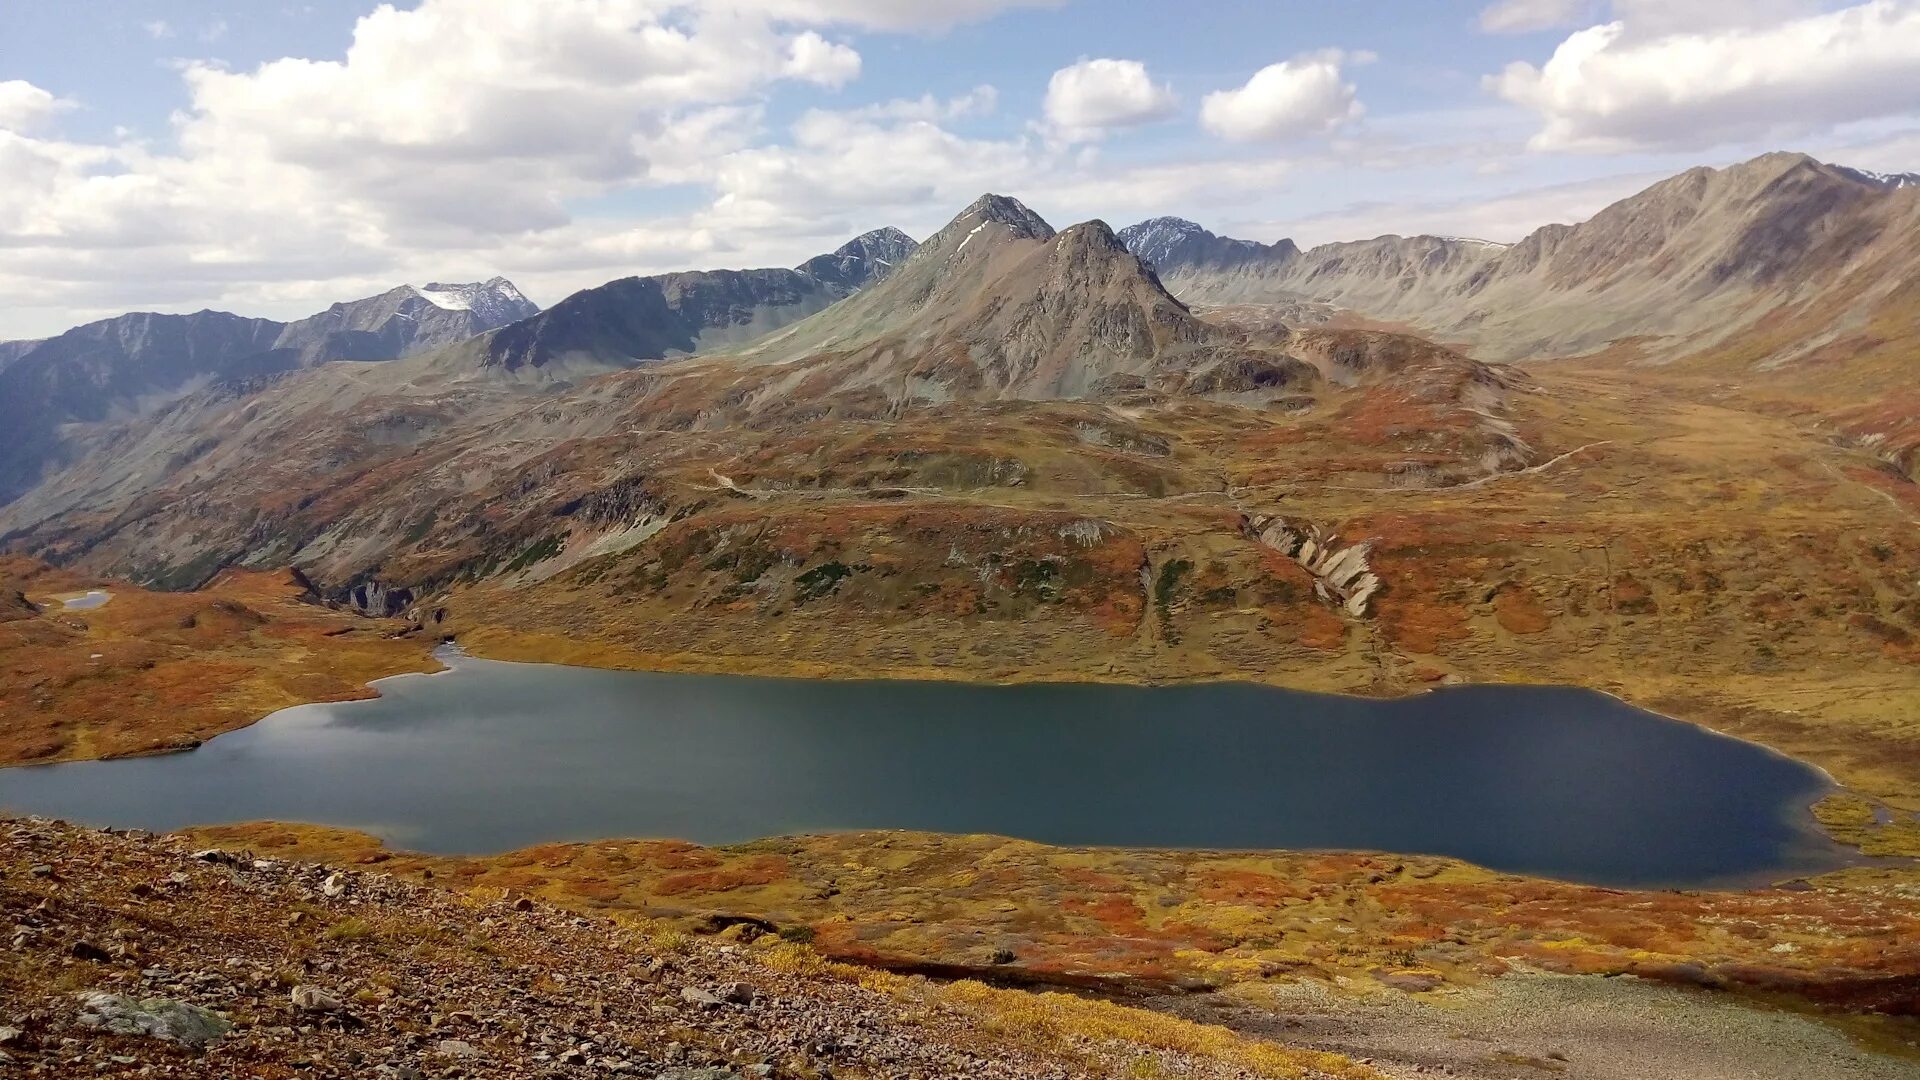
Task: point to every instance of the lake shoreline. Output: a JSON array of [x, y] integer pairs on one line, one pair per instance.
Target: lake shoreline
[[1480, 752]]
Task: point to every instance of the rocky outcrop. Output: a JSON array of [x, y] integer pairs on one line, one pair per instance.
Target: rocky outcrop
[[379, 599], [155, 1018], [1341, 575]]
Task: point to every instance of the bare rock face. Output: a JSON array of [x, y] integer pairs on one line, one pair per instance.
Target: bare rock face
[[379, 599], [1340, 572]]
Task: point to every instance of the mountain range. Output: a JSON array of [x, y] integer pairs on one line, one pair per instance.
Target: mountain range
[[130, 366], [174, 445], [996, 306], [1694, 260]]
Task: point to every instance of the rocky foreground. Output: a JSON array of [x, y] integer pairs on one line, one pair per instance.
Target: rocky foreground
[[135, 955]]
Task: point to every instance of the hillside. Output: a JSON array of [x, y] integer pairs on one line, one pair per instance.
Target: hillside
[[150, 672], [133, 954], [1693, 261]]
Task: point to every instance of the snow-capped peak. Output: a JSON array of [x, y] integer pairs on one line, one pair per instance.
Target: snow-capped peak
[[496, 300]]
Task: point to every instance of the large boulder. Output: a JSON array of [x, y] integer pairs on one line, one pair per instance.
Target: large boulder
[[157, 1018]]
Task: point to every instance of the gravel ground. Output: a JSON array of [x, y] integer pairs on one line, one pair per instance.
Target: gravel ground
[[134, 956], [1534, 1026]]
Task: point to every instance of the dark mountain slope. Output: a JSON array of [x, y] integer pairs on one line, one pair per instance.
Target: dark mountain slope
[[640, 320]]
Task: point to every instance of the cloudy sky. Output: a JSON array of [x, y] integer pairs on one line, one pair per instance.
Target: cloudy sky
[[270, 157]]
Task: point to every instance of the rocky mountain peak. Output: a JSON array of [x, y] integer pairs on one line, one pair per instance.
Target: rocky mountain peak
[[1002, 210], [863, 260], [495, 301], [886, 242], [1173, 243], [1094, 236]]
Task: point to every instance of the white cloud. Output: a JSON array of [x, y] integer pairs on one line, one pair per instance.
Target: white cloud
[[889, 14], [856, 169], [1093, 97], [812, 58], [214, 31], [1615, 87], [1306, 95], [157, 29], [979, 101], [455, 133], [1657, 18], [1525, 16], [1505, 218], [24, 106]]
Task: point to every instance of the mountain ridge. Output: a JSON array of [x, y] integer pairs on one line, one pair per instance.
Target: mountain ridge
[[639, 320], [132, 363], [1719, 238]]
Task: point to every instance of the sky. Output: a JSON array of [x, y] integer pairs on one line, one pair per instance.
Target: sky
[[270, 157]]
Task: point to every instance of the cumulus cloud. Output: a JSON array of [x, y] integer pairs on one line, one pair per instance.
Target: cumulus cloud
[[889, 14], [814, 59], [1722, 79], [1093, 97], [1526, 16], [464, 131], [24, 106], [1307, 95], [1655, 18], [854, 169]]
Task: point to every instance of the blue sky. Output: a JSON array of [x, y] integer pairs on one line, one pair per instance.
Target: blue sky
[[271, 157]]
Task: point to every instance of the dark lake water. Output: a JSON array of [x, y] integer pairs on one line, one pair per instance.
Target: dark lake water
[[493, 756]]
